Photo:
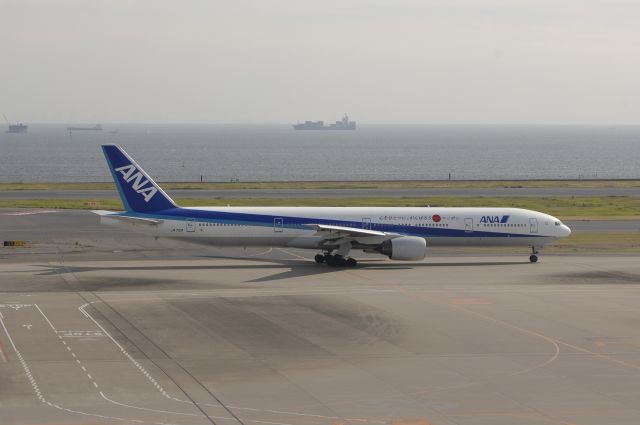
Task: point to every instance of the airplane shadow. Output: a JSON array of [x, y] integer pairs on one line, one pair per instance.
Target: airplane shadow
[[296, 268]]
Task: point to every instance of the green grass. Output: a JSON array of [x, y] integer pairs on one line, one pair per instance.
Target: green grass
[[595, 242], [81, 204], [345, 185], [608, 207], [577, 243]]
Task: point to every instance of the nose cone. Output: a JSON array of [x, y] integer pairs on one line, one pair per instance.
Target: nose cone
[[566, 231]]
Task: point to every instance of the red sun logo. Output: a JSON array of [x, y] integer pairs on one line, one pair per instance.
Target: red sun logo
[[436, 218]]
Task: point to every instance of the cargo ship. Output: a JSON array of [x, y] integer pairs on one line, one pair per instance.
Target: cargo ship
[[343, 124], [15, 128], [96, 127]]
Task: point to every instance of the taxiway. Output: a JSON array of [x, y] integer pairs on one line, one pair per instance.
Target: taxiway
[[119, 328]]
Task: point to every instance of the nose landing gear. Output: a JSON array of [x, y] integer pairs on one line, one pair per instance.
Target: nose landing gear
[[534, 255]]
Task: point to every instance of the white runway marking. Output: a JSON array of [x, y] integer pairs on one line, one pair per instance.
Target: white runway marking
[[36, 388], [95, 384], [83, 307], [30, 212], [156, 410], [3, 356], [555, 355], [257, 254], [2, 353], [46, 318], [124, 352], [300, 257], [81, 334], [15, 306]]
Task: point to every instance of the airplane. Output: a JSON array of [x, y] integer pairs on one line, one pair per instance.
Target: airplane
[[397, 232]]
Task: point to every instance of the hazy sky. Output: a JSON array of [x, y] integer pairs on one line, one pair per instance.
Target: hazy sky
[[383, 61]]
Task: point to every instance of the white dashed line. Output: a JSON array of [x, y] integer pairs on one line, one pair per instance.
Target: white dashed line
[[39, 395], [164, 393], [125, 353]]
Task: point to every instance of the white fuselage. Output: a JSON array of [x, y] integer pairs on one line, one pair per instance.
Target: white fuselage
[[289, 226]]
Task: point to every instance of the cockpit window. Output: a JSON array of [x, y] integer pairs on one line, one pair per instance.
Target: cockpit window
[[557, 223]]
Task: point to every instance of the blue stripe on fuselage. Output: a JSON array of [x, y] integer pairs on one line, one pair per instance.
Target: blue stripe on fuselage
[[265, 220]]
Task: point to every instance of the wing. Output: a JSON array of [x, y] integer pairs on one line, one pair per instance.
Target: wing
[[345, 231], [340, 234]]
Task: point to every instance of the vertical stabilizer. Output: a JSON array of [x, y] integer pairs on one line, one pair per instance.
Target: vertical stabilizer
[[138, 191]]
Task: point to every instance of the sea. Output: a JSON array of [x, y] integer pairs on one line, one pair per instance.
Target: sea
[[247, 153]]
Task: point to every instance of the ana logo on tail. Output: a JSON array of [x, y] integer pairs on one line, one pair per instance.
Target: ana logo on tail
[[132, 175]]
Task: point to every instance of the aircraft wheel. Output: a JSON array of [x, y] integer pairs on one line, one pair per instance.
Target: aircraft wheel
[[351, 262], [533, 258], [319, 258], [331, 260]]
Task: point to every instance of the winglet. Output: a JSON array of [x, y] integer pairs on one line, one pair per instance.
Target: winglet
[[138, 191]]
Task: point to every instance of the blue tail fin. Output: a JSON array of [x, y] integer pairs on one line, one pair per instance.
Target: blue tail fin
[[138, 191]]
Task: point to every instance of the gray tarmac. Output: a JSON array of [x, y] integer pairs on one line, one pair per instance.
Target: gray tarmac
[[103, 327], [331, 193]]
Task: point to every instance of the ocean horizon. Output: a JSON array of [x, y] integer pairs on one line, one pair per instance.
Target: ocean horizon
[[276, 152]]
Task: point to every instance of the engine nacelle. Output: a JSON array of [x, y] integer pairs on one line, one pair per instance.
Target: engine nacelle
[[407, 248]]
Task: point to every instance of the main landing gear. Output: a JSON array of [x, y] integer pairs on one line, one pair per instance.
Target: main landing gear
[[534, 255], [335, 260]]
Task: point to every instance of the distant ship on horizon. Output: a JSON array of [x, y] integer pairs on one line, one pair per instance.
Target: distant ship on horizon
[[15, 128], [96, 127], [343, 124]]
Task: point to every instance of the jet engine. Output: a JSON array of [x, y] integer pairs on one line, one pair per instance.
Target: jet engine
[[407, 248]]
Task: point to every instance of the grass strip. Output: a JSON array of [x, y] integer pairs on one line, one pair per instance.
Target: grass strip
[[577, 243], [607, 207], [595, 242]]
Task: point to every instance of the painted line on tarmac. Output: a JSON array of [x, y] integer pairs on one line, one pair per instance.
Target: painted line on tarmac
[[5, 359], [300, 257], [96, 386], [31, 212], [199, 415], [82, 309], [125, 353], [38, 393]]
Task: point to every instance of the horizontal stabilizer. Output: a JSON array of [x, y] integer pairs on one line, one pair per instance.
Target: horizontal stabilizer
[[127, 219], [103, 213]]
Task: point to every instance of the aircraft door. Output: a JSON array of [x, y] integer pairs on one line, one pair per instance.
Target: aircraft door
[[191, 225], [468, 225], [366, 223], [278, 224], [533, 225]]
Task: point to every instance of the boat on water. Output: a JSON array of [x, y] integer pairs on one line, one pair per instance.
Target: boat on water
[[343, 124], [96, 127], [15, 128]]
